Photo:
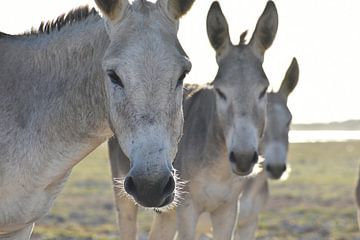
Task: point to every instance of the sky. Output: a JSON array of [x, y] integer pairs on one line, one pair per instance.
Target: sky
[[324, 36]]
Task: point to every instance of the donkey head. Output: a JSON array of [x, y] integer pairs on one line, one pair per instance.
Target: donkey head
[[278, 123], [145, 67], [241, 85]]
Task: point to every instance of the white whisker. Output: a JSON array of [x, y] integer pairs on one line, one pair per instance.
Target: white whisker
[[118, 184], [258, 168], [179, 192], [286, 174]]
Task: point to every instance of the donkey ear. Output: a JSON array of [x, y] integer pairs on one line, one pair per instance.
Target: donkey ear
[[265, 30], [178, 8], [112, 9], [217, 29], [290, 80]]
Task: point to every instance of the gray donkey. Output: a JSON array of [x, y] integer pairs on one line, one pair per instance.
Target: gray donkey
[[256, 191], [224, 123], [69, 86]]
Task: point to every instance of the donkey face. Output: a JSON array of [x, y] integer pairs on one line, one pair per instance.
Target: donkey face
[[145, 67], [278, 123], [241, 85]]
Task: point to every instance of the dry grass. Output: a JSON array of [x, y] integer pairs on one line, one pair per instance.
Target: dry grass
[[315, 203]]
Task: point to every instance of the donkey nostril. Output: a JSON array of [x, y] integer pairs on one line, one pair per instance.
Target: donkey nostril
[[232, 157], [255, 158], [169, 187], [283, 168], [129, 185]]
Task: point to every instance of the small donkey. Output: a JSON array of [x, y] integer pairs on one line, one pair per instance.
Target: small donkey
[[275, 148], [276, 143], [224, 124]]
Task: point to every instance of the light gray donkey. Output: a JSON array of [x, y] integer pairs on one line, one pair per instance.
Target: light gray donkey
[[256, 190], [68, 87], [224, 123]]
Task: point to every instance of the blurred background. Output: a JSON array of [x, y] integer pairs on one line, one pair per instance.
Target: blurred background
[[316, 202]]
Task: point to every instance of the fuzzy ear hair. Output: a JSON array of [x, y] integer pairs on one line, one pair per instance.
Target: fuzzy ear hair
[[217, 29], [265, 30], [290, 80], [112, 9], [177, 8]]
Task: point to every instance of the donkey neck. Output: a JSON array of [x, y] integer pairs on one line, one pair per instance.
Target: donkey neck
[[203, 143], [53, 98]]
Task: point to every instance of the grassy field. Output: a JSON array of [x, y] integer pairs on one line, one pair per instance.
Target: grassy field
[[316, 202]]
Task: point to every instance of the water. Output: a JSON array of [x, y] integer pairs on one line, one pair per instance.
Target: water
[[301, 136]]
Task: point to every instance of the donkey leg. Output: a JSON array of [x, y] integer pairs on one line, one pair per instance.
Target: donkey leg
[[22, 234], [126, 217], [163, 226], [126, 209], [250, 207], [358, 217], [203, 227], [186, 218], [223, 220]]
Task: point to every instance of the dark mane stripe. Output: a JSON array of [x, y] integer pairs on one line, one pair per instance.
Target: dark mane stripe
[[191, 89], [71, 17], [243, 38], [4, 35]]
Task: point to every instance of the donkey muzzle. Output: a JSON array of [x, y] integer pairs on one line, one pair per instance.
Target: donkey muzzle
[[151, 191], [275, 171], [242, 163]]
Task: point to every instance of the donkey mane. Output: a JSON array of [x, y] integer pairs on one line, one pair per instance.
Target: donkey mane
[[75, 15], [190, 89], [243, 38]]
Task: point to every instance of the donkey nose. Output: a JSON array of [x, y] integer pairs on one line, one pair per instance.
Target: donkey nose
[[129, 185], [243, 163], [255, 158], [169, 187], [150, 192], [276, 171]]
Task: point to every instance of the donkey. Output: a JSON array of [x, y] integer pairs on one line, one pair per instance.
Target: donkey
[[224, 123], [75, 82], [256, 190]]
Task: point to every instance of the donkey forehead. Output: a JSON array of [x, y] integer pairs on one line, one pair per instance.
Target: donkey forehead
[[241, 66], [277, 108], [140, 43], [143, 23]]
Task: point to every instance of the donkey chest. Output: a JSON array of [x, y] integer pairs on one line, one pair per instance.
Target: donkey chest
[[21, 210], [20, 207], [211, 192]]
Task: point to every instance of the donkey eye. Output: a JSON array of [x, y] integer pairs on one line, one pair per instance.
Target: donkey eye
[[181, 79], [115, 79], [263, 93], [221, 94]]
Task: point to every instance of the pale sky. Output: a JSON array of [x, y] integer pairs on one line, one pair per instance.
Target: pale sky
[[324, 35]]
